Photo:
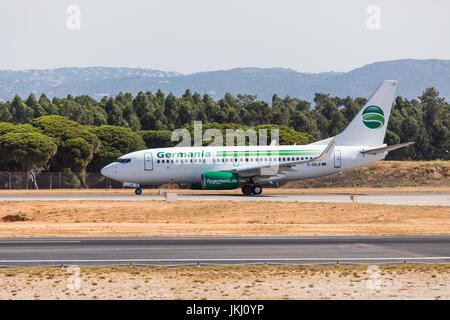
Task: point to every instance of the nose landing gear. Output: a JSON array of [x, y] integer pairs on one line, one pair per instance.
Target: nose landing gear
[[251, 189], [138, 191]]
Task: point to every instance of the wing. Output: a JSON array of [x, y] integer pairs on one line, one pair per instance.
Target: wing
[[283, 167]]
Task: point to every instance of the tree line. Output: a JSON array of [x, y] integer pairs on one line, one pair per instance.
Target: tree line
[[80, 134]]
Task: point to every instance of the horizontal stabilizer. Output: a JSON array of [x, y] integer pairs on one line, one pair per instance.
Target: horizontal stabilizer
[[388, 148]]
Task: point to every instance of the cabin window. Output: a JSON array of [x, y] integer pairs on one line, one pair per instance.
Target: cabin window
[[157, 161]]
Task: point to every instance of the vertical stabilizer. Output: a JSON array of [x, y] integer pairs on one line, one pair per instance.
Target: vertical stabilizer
[[368, 127]]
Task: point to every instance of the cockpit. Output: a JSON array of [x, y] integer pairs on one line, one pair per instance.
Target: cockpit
[[122, 160]]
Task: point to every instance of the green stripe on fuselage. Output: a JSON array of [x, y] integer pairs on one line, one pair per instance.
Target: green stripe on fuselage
[[265, 153]]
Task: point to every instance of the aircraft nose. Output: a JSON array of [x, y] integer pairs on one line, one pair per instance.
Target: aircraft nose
[[108, 171]]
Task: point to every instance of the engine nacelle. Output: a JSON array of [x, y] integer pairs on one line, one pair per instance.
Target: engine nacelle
[[218, 180]]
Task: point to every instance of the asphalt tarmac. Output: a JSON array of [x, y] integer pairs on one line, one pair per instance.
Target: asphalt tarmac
[[226, 250], [416, 199]]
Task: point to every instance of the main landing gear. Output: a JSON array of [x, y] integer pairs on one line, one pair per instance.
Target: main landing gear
[[138, 191], [251, 189]]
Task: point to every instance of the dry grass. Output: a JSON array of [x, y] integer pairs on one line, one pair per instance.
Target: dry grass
[[386, 173], [218, 218], [230, 282]]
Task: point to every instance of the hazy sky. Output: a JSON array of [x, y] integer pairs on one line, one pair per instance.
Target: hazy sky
[[201, 35]]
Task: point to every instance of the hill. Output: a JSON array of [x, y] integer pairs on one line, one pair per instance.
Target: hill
[[414, 77]]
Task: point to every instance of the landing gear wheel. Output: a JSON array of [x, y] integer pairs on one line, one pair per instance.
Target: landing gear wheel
[[138, 191], [257, 189], [247, 190]]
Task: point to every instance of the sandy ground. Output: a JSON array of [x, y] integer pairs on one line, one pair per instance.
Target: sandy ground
[[229, 282], [221, 218], [361, 190]]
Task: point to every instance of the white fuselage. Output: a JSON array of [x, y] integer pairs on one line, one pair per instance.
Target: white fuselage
[[185, 165]]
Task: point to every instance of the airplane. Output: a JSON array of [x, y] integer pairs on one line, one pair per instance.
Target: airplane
[[251, 167]]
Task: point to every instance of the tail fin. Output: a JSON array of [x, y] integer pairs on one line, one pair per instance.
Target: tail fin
[[368, 127]]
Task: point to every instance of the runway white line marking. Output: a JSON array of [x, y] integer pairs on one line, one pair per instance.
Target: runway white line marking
[[39, 242], [226, 259]]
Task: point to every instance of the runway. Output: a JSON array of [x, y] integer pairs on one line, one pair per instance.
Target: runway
[[232, 250], [416, 199]]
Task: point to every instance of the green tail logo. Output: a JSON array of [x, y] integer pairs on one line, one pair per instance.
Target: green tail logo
[[373, 117]]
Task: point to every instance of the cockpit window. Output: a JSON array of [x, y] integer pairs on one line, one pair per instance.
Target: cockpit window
[[123, 160]]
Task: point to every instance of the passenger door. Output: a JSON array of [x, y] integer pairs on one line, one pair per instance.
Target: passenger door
[[148, 161]]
